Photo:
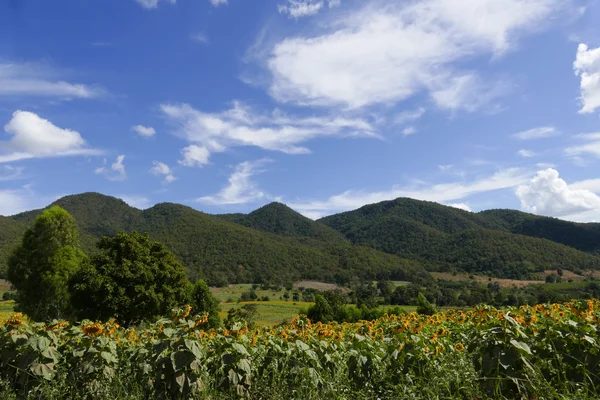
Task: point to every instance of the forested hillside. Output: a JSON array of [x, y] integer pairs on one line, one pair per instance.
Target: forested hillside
[[392, 239], [585, 237], [445, 238], [225, 252], [281, 220]]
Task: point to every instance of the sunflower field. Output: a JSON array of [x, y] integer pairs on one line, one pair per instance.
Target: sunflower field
[[543, 352]]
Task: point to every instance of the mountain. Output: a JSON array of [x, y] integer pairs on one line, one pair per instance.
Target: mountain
[[10, 234], [446, 238], [222, 251], [281, 220], [397, 239], [585, 237]]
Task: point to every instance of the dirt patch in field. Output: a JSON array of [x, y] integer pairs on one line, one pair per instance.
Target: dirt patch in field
[[315, 285], [565, 277], [484, 280]]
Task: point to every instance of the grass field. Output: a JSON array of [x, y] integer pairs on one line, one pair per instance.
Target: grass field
[[269, 312], [233, 293], [6, 309]]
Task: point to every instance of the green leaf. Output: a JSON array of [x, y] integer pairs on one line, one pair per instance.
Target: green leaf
[[180, 378], [52, 354], [109, 357], [182, 359], [521, 345], [169, 332], [245, 366], [44, 370], [240, 349], [194, 347], [228, 359], [78, 353]]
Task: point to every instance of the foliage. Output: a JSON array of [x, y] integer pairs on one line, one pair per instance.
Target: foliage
[[41, 266], [547, 351], [204, 302], [131, 279], [446, 238], [220, 251], [585, 237], [424, 306], [280, 219]]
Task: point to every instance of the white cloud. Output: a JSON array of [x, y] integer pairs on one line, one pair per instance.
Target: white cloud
[[116, 172], [536, 133], [217, 3], [445, 167], [466, 92], [460, 206], [548, 194], [162, 169], [526, 153], [9, 173], [591, 147], [241, 189], [139, 202], [409, 116], [148, 4], [36, 137], [411, 130], [200, 38], [441, 193], [144, 131], [593, 185], [240, 126], [305, 8], [587, 66], [545, 165], [388, 51], [37, 80], [195, 156]]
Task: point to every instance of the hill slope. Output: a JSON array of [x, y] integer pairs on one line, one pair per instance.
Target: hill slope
[[585, 237], [281, 220], [445, 238], [223, 251]]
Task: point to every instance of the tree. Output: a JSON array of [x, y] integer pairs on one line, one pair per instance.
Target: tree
[[237, 318], [321, 311], [131, 279], [203, 301], [423, 306], [41, 266]]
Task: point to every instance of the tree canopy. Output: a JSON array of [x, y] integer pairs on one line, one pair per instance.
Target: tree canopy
[[131, 279], [41, 266]]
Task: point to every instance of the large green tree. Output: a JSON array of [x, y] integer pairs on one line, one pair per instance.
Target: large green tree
[[131, 279], [41, 266], [204, 301]]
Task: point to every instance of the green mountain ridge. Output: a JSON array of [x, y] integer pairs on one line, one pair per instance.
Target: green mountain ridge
[[397, 239], [222, 251], [445, 238]]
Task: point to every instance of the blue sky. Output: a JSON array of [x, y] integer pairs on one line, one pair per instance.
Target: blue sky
[[325, 105]]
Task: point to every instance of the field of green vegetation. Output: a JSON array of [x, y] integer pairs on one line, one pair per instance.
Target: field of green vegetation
[[544, 352], [517, 317]]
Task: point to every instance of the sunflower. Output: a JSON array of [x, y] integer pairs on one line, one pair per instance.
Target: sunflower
[[459, 347], [93, 329]]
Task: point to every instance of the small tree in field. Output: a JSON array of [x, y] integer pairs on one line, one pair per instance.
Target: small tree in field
[[40, 267], [131, 279], [424, 307], [203, 301]]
